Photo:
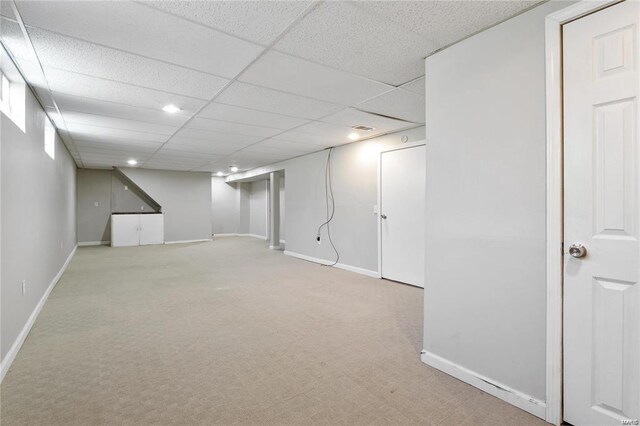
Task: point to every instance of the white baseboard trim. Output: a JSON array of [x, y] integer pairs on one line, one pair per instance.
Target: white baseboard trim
[[350, 268], [5, 364], [188, 241], [274, 247], [94, 243], [261, 237], [283, 242], [232, 234], [497, 389]]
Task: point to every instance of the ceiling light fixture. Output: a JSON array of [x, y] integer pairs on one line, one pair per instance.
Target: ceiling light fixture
[[220, 174], [354, 136], [233, 168], [171, 109], [132, 162]]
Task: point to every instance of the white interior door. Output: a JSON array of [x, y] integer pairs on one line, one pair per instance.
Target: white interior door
[[402, 209], [151, 229], [125, 230], [601, 192]]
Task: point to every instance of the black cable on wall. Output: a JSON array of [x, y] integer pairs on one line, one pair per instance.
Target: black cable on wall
[[329, 201]]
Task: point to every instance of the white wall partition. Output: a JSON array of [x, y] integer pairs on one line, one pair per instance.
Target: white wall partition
[[258, 207], [485, 292]]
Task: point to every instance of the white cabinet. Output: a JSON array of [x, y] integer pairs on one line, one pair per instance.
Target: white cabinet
[[137, 229]]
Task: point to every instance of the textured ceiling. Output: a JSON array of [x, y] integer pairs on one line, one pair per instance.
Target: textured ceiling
[[257, 82]]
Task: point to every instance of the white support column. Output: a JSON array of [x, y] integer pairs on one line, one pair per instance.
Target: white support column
[[274, 208]]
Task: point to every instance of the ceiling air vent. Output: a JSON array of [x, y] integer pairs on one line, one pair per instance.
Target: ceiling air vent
[[363, 128]]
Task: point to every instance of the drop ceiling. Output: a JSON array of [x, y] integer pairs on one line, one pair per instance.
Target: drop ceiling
[[256, 82]]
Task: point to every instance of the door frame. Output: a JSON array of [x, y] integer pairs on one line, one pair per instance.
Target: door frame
[[555, 197], [379, 212]]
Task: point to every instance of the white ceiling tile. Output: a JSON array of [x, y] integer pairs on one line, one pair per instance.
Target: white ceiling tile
[[416, 86], [16, 43], [111, 109], [228, 127], [88, 151], [352, 117], [73, 117], [250, 96], [446, 21], [155, 165], [284, 72], [57, 51], [399, 104], [165, 153], [289, 146], [115, 144], [254, 117], [258, 21], [282, 153], [96, 166], [6, 9], [145, 31], [211, 136], [245, 158], [111, 91], [318, 133], [164, 159], [203, 146], [82, 130], [359, 41]]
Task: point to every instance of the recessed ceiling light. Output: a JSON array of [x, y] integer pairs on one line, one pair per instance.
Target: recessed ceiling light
[[233, 168], [132, 162], [172, 109], [354, 136], [220, 174]]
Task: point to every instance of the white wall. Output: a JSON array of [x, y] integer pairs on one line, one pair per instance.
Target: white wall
[[38, 218], [100, 193], [355, 181], [185, 198], [258, 207], [225, 207], [485, 216]]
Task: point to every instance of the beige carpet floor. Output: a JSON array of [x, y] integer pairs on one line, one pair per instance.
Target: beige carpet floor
[[229, 332]]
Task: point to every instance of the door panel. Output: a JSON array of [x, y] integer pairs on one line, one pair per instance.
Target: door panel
[[402, 201], [601, 192], [151, 229], [125, 230]]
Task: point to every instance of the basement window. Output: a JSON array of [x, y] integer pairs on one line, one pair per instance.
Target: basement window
[[12, 99], [5, 93], [49, 138]]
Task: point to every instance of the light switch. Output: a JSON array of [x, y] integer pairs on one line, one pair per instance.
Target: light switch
[[95, 203], [375, 209], [126, 188]]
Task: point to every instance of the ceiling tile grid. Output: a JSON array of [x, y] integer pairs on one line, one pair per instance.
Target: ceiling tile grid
[[144, 31], [255, 82]]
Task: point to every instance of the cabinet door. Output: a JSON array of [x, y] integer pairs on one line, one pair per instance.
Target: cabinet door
[[151, 229], [125, 230]]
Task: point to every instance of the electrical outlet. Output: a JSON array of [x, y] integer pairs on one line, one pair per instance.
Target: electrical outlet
[[24, 287], [95, 203], [126, 188], [141, 207], [61, 244], [318, 239]]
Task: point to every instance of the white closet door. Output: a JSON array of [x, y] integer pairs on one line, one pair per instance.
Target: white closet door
[[602, 192], [125, 230], [151, 229], [402, 211]]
